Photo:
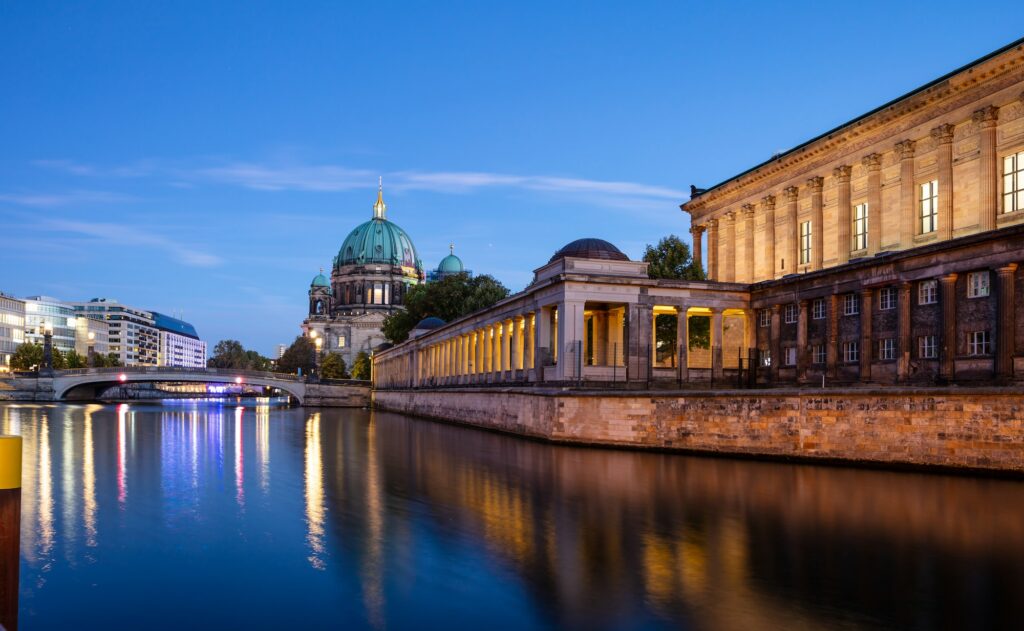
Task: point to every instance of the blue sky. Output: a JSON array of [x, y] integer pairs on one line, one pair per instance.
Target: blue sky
[[209, 158]]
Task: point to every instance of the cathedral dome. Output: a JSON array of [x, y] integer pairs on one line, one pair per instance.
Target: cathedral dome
[[451, 264], [590, 249], [320, 280], [378, 241]]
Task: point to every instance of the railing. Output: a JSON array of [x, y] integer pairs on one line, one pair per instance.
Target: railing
[[178, 370]]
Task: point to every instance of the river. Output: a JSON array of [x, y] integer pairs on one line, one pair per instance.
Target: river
[[195, 515]]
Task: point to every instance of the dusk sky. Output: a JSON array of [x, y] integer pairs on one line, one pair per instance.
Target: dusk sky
[[208, 158]]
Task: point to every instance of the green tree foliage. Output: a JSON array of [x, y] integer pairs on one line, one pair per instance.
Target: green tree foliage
[[27, 356], [110, 360], [448, 299], [700, 332], [231, 354], [671, 259], [361, 366], [665, 326], [73, 360], [332, 366], [299, 355], [58, 359]]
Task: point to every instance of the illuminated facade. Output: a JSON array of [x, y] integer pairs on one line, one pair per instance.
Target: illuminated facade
[[375, 267], [179, 343], [92, 336], [12, 328], [44, 312], [132, 336]]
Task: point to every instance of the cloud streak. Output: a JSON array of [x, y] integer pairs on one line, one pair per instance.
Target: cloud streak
[[118, 234], [73, 198]]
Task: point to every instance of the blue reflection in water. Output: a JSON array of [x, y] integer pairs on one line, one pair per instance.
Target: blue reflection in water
[[213, 515]]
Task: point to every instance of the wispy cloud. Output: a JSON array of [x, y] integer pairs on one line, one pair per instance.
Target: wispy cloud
[[72, 198], [119, 234]]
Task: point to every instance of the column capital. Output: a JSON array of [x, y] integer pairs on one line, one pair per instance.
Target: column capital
[[1007, 270], [815, 183], [712, 224], [791, 193], [768, 202], [948, 278], [943, 134], [747, 210], [842, 173], [872, 162], [905, 149], [803, 302], [729, 216], [776, 308], [867, 291], [697, 229], [986, 116]]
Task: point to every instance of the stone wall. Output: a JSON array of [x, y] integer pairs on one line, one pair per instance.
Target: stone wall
[[973, 429]]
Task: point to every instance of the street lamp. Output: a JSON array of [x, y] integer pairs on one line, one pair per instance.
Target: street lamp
[[316, 357], [48, 347]]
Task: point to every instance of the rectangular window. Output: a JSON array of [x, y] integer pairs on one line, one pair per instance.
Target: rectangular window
[[977, 285], [764, 317], [791, 314], [805, 243], [818, 353], [851, 352], [818, 309], [927, 347], [979, 343], [928, 292], [766, 358], [1013, 182], [850, 305], [887, 298], [887, 348], [791, 356], [860, 227], [341, 341], [929, 205]]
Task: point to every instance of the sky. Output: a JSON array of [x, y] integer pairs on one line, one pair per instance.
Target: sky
[[207, 159]]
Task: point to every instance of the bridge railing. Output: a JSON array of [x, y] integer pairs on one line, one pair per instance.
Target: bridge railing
[[178, 370]]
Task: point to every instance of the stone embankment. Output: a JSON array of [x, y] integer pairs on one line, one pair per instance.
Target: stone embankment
[[957, 428]]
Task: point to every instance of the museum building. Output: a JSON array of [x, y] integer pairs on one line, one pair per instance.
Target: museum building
[[886, 250]]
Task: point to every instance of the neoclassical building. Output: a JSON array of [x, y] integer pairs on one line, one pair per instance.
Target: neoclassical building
[[375, 267]]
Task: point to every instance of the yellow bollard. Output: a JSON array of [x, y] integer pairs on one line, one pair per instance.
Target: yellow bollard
[[10, 529]]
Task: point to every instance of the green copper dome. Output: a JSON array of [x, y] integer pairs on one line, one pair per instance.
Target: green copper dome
[[451, 264], [378, 241], [320, 280]]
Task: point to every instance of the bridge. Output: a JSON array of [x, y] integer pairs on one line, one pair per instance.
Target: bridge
[[87, 384]]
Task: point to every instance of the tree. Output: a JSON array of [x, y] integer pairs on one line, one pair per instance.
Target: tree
[[74, 360], [27, 356], [671, 259], [231, 354], [110, 360], [361, 366], [448, 299], [301, 354], [332, 366], [58, 359]]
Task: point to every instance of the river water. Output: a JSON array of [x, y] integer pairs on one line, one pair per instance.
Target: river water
[[194, 515]]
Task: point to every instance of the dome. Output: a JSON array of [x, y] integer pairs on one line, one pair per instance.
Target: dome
[[451, 264], [427, 324], [378, 241], [320, 280], [590, 249]]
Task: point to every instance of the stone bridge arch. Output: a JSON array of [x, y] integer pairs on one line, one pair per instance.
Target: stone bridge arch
[[94, 380]]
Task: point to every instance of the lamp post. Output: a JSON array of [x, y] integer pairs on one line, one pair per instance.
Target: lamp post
[[316, 358], [316, 351], [47, 367], [91, 349]]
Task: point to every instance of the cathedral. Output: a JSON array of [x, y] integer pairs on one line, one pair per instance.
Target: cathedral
[[371, 275]]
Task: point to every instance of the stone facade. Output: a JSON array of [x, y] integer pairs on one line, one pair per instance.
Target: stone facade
[[981, 429]]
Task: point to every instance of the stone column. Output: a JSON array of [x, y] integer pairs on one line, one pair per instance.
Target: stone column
[[516, 342], [1005, 322], [947, 294], [802, 350], [842, 176], [832, 351], [814, 186], [638, 356], [793, 250], [716, 343], [506, 346], [908, 193], [682, 344], [768, 208], [528, 343], [696, 232], [713, 250], [943, 137], [729, 267], [873, 163], [866, 341], [776, 342], [749, 274], [542, 341], [988, 172], [499, 354], [905, 341]]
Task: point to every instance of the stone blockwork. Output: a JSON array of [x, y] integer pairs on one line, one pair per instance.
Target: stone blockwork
[[972, 429]]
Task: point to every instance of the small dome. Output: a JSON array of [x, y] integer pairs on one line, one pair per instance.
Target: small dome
[[590, 249], [451, 264], [320, 281], [427, 324]]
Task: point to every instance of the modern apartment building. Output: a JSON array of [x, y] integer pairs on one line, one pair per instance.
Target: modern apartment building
[[179, 343], [12, 328]]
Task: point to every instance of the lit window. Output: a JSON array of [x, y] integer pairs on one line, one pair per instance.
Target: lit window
[[378, 294], [766, 358], [805, 243], [929, 204], [928, 292], [791, 356], [818, 353], [927, 348], [887, 348], [818, 309], [977, 285], [887, 298], [851, 352], [850, 304], [978, 343], [764, 317], [341, 341], [791, 314], [1013, 182], [860, 227]]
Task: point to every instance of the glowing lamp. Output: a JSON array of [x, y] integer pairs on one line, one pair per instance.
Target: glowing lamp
[[238, 380], [122, 377]]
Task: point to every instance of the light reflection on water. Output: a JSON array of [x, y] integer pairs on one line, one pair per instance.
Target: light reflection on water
[[211, 515]]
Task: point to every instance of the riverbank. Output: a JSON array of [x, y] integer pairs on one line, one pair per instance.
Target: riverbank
[[979, 429]]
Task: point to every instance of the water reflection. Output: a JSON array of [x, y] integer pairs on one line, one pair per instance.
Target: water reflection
[[378, 520]]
